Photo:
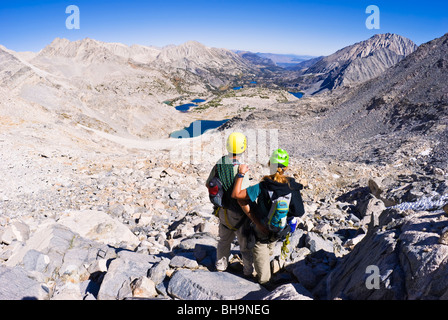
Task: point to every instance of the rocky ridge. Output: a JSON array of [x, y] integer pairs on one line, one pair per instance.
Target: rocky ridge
[[133, 225], [216, 67], [356, 63], [119, 89]]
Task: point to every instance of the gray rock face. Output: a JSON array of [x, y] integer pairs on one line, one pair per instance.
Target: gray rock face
[[289, 292], [16, 231], [315, 243], [127, 267], [184, 261], [203, 285], [58, 259], [99, 226], [55, 248], [17, 284], [158, 271], [12, 69], [405, 249]]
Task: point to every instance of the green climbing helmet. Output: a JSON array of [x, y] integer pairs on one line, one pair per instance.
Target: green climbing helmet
[[280, 157]]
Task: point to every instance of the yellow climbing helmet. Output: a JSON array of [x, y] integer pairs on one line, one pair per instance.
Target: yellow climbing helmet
[[236, 143]]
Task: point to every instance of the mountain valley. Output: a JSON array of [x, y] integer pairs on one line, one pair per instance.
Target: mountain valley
[[98, 202]]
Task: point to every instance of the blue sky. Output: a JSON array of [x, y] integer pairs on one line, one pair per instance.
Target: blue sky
[[299, 27]]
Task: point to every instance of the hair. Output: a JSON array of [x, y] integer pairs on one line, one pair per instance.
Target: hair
[[278, 176]]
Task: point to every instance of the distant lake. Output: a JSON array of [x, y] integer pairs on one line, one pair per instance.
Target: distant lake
[[297, 94], [197, 128], [198, 100], [185, 107], [237, 88], [253, 82]]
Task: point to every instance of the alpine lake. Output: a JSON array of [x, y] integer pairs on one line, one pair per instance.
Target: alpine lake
[[199, 127]]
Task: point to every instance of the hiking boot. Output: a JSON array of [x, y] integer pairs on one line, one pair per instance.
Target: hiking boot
[[221, 264]]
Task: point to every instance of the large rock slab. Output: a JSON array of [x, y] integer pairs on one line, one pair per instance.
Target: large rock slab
[[52, 240], [17, 284], [17, 230], [205, 285], [122, 271], [99, 226], [56, 254]]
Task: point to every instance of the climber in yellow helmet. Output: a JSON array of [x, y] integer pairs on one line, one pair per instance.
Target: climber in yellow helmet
[[231, 217]]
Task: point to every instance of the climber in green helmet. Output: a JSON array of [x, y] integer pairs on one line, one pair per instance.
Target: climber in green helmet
[[271, 205], [279, 158]]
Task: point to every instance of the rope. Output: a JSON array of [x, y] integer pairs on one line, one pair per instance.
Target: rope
[[285, 249], [225, 174]]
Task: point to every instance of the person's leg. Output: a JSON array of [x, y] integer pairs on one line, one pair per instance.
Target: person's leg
[[226, 237], [246, 253], [262, 263]]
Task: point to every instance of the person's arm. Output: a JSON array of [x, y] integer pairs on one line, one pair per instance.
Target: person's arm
[[243, 198], [244, 204], [238, 193]]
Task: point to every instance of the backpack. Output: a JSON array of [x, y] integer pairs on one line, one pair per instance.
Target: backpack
[[216, 192], [278, 212], [221, 185]]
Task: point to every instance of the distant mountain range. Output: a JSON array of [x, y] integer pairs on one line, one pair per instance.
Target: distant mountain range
[[122, 89], [348, 66], [196, 65]]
